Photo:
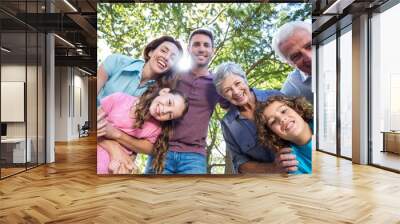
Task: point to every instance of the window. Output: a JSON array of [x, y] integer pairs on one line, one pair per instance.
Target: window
[[327, 96], [385, 87], [346, 74]]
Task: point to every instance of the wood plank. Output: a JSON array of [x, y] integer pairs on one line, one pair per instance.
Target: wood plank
[[69, 191]]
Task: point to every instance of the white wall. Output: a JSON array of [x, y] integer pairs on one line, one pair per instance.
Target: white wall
[[12, 73], [71, 93], [80, 110], [61, 103], [16, 73], [33, 126]]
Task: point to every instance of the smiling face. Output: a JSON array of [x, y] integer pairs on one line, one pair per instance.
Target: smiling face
[[284, 121], [235, 90], [167, 106], [297, 49], [200, 50], [164, 57]]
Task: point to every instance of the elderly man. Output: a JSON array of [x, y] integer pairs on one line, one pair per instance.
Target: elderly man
[[292, 43], [238, 127]]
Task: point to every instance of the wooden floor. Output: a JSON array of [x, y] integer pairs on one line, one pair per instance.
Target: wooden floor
[[5, 172], [10, 171], [69, 191], [387, 159]]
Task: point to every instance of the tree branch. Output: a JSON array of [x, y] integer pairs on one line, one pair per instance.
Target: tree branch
[[242, 27], [217, 148], [215, 18], [259, 61], [222, 43]]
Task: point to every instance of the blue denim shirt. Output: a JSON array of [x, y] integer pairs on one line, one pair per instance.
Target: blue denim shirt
[[240, 135], [296, 85], [124, 75]]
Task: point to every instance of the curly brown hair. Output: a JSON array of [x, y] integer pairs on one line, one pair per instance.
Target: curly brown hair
[[165, 78], [266, 136], [142, 114]]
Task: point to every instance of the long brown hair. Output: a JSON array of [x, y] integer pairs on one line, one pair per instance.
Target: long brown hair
[[142, 114], [166, 77], [266, 136]]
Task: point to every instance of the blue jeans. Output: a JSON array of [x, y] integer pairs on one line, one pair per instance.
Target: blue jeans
[[180, 163]]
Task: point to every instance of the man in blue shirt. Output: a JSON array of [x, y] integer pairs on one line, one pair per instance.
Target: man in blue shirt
[[292, 43]]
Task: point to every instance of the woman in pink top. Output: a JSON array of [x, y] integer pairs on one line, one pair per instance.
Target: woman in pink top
[[144, 118]]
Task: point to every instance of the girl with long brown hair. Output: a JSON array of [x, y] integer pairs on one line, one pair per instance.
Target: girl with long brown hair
[[148, 117], [122, 73]]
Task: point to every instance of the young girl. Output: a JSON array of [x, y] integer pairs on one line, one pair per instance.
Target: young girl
[[287, 122], [145, 118]]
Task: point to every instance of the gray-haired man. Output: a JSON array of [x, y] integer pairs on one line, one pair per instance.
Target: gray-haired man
[[292, 43]]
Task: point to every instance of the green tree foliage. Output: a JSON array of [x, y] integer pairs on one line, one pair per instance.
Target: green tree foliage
[[243, 34]]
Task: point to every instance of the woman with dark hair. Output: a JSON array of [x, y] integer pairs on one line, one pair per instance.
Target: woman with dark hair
[[286, 122], [120, 73]]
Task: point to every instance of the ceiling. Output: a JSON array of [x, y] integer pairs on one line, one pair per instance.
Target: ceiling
[[328, 16], [74, 22]]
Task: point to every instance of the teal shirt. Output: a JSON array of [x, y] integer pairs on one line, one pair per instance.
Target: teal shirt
[[303, 156], [124, 75]]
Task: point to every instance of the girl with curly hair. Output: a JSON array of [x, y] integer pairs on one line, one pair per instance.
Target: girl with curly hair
[[287, 122], [148, 117]]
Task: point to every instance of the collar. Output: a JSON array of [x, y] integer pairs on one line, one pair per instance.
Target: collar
[[209, 76], [188, 75], [150, 82], [137, 66], [261, 96], [304, 77], [233, 110]]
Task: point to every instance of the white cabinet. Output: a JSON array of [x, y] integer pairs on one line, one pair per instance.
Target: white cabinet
[[17, 146]]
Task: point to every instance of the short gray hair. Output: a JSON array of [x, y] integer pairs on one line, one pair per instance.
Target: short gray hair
[[225, 69], [286, 31]]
